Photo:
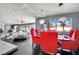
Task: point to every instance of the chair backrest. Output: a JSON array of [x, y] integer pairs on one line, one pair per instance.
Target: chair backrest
[[34, 39], [73, 36], [49, 41], [32, 35], [34, 32], [70, 33]]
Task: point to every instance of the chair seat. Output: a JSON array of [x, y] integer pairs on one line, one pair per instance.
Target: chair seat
[[70, 45], [36, 41]]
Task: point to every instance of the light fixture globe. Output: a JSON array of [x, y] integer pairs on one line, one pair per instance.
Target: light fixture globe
[[42, 21]]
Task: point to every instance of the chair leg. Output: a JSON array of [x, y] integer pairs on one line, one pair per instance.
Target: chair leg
[[73, 52], [32, 44]]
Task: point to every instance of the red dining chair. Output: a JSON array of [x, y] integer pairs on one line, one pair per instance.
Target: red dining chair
[[70, 45], [49, 42], [35, 40]]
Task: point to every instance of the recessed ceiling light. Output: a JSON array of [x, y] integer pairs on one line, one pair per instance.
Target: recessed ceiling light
[[42, 11]]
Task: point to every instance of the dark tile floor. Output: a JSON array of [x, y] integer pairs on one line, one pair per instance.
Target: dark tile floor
[[25, 48]]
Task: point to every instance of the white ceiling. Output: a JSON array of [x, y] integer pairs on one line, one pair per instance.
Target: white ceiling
[[54, 9], [33, 10]]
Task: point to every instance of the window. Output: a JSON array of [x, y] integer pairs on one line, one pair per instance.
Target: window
[[68, 23], [52, 24], [59, 26], [62, 24]]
